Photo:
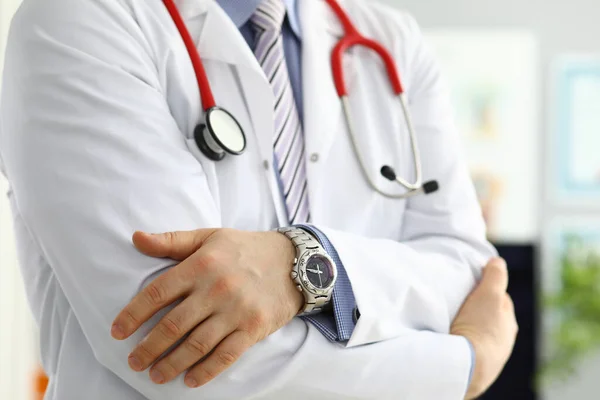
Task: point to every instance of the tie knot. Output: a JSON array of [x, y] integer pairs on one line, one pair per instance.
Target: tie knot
[[269, 15]]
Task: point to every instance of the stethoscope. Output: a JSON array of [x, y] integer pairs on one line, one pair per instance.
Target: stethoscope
[[221, 133]]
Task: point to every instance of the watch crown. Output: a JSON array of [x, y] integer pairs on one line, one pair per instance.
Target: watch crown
[[293, 274], [299, 288]]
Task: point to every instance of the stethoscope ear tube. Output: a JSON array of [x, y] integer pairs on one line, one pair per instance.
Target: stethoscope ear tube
[[387, 171], [414, 146]]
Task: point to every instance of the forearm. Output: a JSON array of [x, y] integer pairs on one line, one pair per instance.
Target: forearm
[[417, 284]]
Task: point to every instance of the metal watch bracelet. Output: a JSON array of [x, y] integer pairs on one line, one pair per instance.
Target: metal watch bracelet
[[304, 241]]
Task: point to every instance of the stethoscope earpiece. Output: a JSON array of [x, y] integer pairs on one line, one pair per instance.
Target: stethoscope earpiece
[[388, 173], [427, 188], [430, 187]]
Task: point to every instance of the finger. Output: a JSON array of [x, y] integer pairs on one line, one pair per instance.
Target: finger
[[508, 303], [226, 353], [193, 349], [161, 292], [171, 328], [495, 276], [177, 245], [510, 307]]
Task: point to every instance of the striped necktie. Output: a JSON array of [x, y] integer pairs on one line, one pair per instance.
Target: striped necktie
[[289, 139]]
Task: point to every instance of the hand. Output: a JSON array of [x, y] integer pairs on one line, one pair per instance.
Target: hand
[[235, 290], [487, 320]]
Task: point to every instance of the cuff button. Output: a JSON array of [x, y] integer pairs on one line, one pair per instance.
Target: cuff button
[[355, 315]]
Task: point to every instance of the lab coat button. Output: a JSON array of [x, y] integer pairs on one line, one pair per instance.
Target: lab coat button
[[266, 165], [314, 157], [355, 315]]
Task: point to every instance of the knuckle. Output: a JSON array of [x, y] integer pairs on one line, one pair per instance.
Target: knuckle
[[171, 237], [167, 368], [226, 358], [131, 318], [256, 322], [205, 262], [207, 374], [225, 286], [246, 305], [145, 352], [197, 347], [209, 259], [171, 328], [156, 293]]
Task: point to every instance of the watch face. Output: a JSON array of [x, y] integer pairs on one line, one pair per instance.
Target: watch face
[[319, 271]]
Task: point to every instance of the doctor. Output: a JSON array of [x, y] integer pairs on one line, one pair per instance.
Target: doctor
[[99, 139]]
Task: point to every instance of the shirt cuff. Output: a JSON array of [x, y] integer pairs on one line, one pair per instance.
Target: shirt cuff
[[472, 362], [339, 326]]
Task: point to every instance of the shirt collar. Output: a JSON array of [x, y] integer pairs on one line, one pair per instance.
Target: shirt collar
[[240, 12]]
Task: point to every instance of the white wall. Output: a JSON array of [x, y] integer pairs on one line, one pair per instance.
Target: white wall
[[18, 355]]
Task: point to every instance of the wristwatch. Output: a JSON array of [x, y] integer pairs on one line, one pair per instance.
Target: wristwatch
[[313, 272]]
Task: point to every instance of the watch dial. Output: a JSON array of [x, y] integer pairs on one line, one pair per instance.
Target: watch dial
[[319, 271]]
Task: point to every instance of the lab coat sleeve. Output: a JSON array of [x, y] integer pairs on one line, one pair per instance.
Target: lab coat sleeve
[[420, 280], [92, 153]]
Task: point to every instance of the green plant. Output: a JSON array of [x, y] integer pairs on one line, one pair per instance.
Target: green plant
[[576, 307]]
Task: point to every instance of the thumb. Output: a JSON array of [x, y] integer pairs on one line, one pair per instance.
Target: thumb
[[495, 276], [177, 245]]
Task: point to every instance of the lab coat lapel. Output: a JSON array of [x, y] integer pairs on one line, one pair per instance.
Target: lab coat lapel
[[221, 40], [322, 107]]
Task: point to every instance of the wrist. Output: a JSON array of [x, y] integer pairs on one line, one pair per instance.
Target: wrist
[[477, 383], [287, 255]]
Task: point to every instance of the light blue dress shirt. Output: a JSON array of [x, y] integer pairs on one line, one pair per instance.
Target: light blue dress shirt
[[339, 326]]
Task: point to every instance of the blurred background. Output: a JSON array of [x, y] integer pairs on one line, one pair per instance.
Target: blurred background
[[525, 79]]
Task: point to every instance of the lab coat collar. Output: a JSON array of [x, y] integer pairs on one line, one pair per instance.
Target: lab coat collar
[[241, 11], [220, 39], [314, 18]]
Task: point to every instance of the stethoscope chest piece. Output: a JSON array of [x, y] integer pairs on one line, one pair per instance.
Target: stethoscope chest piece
[[219, 135]]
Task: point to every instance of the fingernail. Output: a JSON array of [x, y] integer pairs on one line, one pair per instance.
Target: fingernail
[[134, 363], [117, 332], [191, 382], [157, 377]]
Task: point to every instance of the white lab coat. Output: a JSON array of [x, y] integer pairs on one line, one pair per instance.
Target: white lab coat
[[98, 108]]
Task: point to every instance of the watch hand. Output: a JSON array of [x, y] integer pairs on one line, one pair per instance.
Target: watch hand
[[316, 271], [320, 272]]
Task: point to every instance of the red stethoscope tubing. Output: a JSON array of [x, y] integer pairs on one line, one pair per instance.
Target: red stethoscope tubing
[[352, 37], [206, 94]]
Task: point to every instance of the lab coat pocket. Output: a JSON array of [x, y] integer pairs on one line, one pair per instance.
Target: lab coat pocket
[[209, 169]]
